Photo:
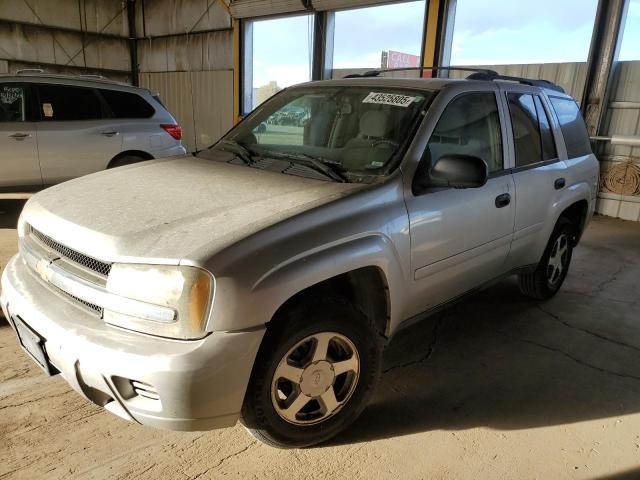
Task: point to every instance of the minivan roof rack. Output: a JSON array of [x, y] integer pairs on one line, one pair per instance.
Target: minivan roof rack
[[477, 74], [22, 71]]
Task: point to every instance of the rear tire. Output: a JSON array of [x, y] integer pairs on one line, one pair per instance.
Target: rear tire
[[126, 160], [545, 281], [300, 393]]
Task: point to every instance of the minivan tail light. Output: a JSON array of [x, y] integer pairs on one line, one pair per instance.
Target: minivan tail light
[[174, 130]]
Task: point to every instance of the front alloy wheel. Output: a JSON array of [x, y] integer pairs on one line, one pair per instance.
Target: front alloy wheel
[[315, 370], [315, 378]]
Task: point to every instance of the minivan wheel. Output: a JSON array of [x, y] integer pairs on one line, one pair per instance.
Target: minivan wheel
[[126, 160], [313, 376], [546, 280]]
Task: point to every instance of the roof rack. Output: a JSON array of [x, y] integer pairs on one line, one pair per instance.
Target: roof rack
[[22, 71], [91, 75], [491, 75], [478, 74], [376, 73]]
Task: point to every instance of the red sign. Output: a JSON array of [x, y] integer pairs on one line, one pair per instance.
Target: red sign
[[393, 59]]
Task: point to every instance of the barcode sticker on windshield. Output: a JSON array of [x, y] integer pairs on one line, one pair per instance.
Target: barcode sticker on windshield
[[389, 99]]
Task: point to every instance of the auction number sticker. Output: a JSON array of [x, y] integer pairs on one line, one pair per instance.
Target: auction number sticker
[[389, 99]]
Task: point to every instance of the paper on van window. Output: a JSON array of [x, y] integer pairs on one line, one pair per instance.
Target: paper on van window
[[389, 99], [47, 110]]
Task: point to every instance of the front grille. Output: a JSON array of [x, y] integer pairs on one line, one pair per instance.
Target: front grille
[[93, 308], [97, 266]]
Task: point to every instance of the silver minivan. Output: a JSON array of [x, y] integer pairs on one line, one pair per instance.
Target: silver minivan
[[54, 128]]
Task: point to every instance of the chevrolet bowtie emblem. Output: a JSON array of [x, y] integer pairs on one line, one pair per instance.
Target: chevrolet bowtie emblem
[[42, 268]]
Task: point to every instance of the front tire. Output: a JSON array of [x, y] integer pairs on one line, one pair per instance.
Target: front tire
[[313, 376], [545, 281]]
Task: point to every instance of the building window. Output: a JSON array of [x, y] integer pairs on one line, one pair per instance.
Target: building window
[[387, 36], [277, 54], [550, 41], [630, 48]]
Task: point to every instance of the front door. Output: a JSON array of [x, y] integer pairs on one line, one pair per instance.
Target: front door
[[460, 238], [18, 139]]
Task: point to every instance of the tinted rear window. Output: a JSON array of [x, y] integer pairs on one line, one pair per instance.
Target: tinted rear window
[[572, 125], [63, 103], [127, 104]]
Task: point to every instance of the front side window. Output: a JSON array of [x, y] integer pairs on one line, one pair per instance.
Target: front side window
[[356, 130], [526, 129], [470, 125], [572, 125], [63, 103], [12, 103]]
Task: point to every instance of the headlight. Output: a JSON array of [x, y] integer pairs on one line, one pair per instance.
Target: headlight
[[187, 291], [22, 226]]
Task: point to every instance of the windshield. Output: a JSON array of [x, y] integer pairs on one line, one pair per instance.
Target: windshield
[[355, 131]]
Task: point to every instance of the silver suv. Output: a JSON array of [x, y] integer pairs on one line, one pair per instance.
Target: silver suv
[[53, 128], [262, 279]]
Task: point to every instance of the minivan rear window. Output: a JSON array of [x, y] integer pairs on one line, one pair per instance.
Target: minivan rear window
[[572, 125], [127, 104]]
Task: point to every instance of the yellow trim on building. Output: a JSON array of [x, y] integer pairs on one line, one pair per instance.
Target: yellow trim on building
[[236, 71], [430, 36]]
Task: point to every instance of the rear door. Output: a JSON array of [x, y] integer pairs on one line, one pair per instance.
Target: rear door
[[460, 238], [18, 138], [75, 134], [538, 172]]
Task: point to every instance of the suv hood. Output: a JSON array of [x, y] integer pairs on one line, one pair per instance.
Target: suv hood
[[161, 211]]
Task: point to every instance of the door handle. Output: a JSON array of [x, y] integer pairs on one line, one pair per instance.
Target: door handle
[[20, 136], [559, 183], [503, 200], [109, 133]]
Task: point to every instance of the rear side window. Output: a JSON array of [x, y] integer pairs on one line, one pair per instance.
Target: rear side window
[[127, 104], [65, 103], [526, 129], [548, 144], [13, 104], [572, 125]]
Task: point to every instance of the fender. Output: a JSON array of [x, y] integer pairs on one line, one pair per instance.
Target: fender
[[572, 194], [273, 288]]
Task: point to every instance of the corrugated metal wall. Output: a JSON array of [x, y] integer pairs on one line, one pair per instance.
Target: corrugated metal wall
[[200, 101], [620, 164], [65, 36], [186, 54]]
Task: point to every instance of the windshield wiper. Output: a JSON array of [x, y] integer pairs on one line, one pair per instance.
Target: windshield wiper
[[327, 169], [238, 148]]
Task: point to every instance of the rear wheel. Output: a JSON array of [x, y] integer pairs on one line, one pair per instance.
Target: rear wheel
[[546, 280], [313, 375]]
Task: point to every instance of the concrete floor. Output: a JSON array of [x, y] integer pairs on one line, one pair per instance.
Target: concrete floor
[[499, 386]]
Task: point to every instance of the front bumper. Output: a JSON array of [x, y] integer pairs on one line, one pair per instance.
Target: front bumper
[[171, 384]]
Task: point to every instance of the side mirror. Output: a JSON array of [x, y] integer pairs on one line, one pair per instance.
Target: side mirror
[[458, 171]]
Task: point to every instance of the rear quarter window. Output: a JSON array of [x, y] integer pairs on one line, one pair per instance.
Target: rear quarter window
[[574, 130], [127, 104]]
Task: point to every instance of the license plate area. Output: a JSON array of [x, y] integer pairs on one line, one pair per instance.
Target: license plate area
[[33, 344]]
